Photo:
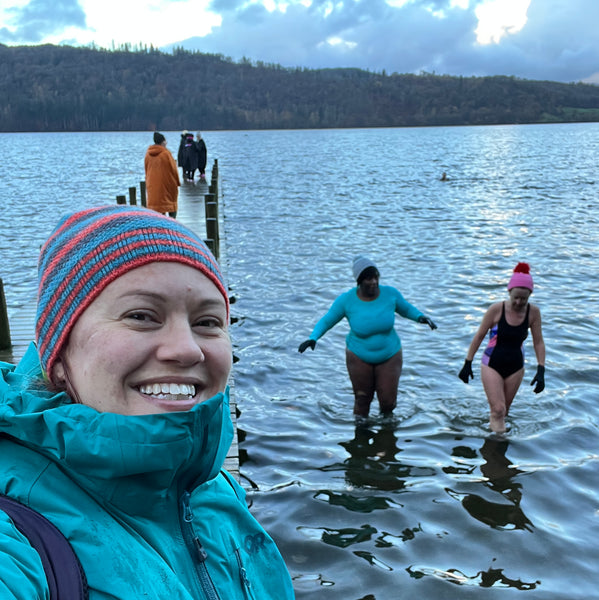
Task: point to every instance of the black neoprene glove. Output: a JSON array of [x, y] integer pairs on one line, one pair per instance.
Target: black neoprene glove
[[466, 372], [539, 379], [429, 322], [304, 345]]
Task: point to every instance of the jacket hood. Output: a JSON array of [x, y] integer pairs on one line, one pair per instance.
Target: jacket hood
[[157, 149], [117, 457]]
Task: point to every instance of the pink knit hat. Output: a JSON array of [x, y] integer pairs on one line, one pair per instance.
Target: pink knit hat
[[521, 277]]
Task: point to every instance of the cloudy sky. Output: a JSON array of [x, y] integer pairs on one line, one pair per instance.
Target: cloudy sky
[[533, 39]]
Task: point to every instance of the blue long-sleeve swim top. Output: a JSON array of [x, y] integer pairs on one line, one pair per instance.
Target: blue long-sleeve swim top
[[372, 336]]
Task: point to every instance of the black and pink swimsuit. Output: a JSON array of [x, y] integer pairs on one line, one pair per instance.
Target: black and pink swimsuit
[[504, 353]]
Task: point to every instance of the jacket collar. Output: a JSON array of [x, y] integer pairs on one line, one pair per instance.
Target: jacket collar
[[113, 456]]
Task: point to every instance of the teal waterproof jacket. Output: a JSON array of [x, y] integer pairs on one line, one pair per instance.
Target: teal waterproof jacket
[[141, 499]]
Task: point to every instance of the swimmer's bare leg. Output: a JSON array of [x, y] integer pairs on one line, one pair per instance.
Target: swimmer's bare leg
[[493, 385], [361, 375], [386, 377]]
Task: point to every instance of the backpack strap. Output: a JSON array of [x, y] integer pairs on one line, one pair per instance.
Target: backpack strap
[[65, 575]]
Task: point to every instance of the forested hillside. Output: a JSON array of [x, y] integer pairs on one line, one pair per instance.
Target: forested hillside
[[62, 88]]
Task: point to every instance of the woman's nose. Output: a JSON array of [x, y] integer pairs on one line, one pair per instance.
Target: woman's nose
[[179, 343]]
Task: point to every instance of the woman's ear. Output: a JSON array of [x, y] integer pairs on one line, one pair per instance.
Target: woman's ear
[[57, 375]]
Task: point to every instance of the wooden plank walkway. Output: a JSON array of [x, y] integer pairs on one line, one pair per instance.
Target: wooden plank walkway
[[192, 214]]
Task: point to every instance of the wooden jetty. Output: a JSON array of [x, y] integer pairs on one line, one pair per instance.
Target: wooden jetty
[[198, 210]]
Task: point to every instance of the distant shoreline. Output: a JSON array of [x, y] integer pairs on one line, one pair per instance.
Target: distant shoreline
[[64, 88]]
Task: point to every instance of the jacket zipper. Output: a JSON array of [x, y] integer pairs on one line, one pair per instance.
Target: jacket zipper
[[243, 574], [196, 549]]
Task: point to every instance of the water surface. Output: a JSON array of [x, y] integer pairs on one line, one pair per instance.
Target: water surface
[[428, 504]]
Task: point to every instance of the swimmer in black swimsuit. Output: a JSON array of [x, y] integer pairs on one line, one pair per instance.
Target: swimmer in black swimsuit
[[505, 352], [502, 367]]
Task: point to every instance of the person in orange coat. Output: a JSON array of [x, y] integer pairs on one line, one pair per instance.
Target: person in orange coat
[[162, 177]]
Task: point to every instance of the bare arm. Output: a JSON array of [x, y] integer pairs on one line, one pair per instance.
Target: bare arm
[[537, 334]]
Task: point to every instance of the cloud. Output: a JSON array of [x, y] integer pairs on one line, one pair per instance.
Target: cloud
[[368, 34], [39, 18], [557, 42]]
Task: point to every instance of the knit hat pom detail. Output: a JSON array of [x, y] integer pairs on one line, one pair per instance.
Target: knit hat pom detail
[[522, 267]]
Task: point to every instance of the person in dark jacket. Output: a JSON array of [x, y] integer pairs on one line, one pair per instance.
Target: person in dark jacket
[[202, 155], [189, 157], [181, 152]]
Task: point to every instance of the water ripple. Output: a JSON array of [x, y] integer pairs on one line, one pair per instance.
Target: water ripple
[[428, 504]]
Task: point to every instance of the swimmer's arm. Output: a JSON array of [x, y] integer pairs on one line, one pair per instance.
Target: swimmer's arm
[[537, 334], [491, 318], [404, 308], [330, 319]]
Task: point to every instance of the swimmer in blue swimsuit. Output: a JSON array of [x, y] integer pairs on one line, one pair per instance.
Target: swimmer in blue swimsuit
[[502, 365], [373, 348]]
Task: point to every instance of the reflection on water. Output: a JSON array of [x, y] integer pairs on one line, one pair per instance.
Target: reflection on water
[[498, 473], [373, 465], [373, 461], [485, 579], [428, 506]]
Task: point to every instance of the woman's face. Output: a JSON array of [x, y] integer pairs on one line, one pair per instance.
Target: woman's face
[[519, 298], [155, 340], [369, 286]]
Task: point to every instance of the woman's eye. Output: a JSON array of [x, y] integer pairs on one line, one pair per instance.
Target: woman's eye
[[140, 317], [208, 322]]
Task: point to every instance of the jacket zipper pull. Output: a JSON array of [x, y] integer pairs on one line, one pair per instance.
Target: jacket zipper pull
[[187, 512], [202, 554], [188, 518]]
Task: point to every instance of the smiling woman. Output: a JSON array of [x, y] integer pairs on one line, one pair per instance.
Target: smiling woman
[[116, 426]]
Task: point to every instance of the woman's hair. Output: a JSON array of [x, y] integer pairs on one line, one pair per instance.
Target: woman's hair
[[367, 273]]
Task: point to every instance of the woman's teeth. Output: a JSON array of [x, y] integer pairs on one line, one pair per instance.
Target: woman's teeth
[[168, 389]]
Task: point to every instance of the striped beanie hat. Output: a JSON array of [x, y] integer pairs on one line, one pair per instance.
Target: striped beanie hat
[[89, 249]]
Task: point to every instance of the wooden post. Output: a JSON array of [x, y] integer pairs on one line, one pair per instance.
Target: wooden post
[[212, 233], [133, 196], [5, 342], [121, 200], [142, 192], [211, 210], [211, 247], [214, 178], [210, 205]]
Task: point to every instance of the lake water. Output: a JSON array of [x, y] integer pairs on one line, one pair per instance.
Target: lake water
[[428, 505]]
